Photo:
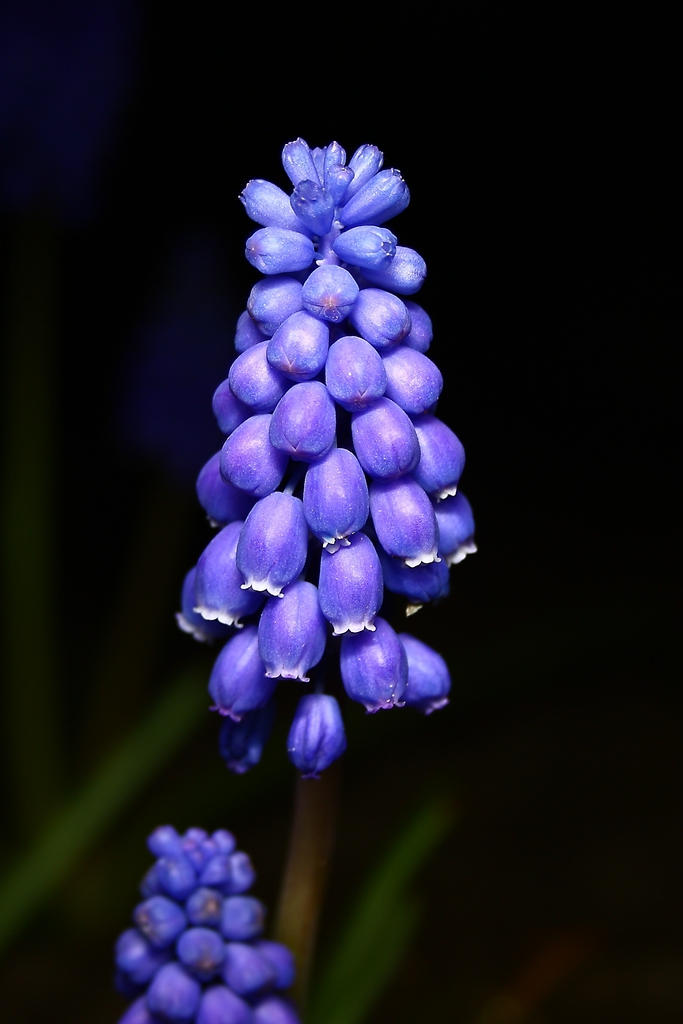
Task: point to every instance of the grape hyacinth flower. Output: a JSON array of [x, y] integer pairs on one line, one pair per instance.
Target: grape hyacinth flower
[[337, 481], [195, 951]]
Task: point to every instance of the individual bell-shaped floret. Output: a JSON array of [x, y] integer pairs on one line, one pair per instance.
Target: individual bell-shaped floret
[[165, 841], [241, 743], [255, 382], [238, 682], [405, 273], [245, 970], [269, 205], [292, 632], [420, 584], [314, 206], [297, 161], [369, 247], [137, 958], [380, 317], [429, 680], [336, 502], [298, 349], [329, 293], [404, 520], [354, 373], [227, 409], [374, 668], [272, 1009], [272, 300], [247, 332], [421, 331], [242, 874], [174, 994], [218, 588], [304, 422], [221, 500], [217, 872], [176, 876], [442, 457], [365, 163], [384, 196], [137, 1013], [414, 382], [273, 544], [350, 585], [242, 918], [317, 736], [279, 251], [281, 960], [160, 920], [248, 459], [191, 621], [220, 1005], [385, 440], [337, 180], [201, 951], [456, 528], [204, 907]]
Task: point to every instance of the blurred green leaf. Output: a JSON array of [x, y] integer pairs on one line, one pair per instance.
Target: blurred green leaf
[[92, 810], [380, 926]]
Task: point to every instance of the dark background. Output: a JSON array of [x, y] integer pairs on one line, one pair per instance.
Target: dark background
[[537, 156]]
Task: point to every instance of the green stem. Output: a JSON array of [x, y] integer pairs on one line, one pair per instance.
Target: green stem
[[305, 878], [28, 516]]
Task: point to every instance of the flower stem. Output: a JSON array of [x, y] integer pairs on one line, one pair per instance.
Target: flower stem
[[303, 885]]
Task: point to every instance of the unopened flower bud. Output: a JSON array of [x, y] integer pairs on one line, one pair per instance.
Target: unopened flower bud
[[316, 737], [380, 317]]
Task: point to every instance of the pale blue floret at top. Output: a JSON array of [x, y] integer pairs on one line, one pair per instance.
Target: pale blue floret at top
[[336, 480]]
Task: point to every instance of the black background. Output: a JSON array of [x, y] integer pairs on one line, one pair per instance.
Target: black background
[[537, 153]]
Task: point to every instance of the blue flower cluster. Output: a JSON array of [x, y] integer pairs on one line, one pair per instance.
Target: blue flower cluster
[[331, 395], [195, 953]]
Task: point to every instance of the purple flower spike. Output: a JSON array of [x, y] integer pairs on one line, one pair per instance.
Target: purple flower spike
[[255, 382], [280, 959], [329, 293], [242, 919], [354, 373], [227, 409], [218, 587], [191, 621], [317, 736], [201, 951], [382, 197], [456, 528], [336, 502], [385, 440], [248, 459], [269, 205], [173, 994], [292, 632], [247, 333], [414, 382], [442, 457], [221, 1006], [404, 275], [404, 520], [304, 422], [421, 331], [273, 1010], [365, 163], [221, 500], [137, 1013], [420, 584], [299, 346], [137, 958], [204, 907], [272, 300], [160, 920], [380, 317], [241, 743], [429, 680], [369, 247], [246, 971], [238, 682], [273, 545], [374, 667], [279, 251], [350, 586]]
